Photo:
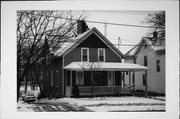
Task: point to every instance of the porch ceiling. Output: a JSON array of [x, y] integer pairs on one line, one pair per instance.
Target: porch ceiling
[[104, 66]]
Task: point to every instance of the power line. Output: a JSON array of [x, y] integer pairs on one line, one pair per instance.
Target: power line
[[110, 23], [119, 44], [129, 25]]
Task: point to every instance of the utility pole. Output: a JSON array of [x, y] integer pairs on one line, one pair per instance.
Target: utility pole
[[119, 42], [105, 26]]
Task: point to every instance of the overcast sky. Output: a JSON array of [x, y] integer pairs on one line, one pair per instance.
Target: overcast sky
[[127, 34]]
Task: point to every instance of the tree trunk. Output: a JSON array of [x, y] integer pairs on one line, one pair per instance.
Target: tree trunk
[[40, 88], [26, 85], [19, 79], [18, 89]]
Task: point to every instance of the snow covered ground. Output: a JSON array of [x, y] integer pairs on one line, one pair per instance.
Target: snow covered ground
[[98, 104], [24, 107], [105, 104]]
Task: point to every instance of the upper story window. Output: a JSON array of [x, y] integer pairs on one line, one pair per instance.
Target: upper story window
[[101, 54], [84, 54], [145, 61], [158, 65]]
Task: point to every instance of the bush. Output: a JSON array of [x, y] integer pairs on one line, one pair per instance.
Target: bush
[[75, 91]]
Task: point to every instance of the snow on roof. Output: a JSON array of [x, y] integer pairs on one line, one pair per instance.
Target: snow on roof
[[125, 46], [66, 45], [156, 45], [105, 66]]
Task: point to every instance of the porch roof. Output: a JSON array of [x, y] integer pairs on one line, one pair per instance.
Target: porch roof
[[104, 66]]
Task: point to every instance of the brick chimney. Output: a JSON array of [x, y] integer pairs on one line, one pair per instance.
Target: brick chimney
[[81, 26]]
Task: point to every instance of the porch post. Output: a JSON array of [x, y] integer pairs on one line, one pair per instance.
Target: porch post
[[71, 83], [129, 81], [134, 82]]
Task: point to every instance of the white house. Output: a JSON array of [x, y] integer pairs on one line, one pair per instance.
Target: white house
[[149, 52]]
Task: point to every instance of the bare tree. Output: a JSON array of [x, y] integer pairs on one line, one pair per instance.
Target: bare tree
[[32, 29], [157, 20]]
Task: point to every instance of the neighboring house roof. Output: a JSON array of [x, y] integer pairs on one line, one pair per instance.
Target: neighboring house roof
[[73, 43], [105, 66], [157, 46]]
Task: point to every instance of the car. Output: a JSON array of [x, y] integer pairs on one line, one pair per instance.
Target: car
[[30, 97]]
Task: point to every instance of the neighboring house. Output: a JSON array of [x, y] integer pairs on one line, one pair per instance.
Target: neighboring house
[[149, 52], [89, 61]]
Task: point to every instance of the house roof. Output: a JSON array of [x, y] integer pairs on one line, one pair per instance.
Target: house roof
[[66, 47], [105, 66], [156, 46]]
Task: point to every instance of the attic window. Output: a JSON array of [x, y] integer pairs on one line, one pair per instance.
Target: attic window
[[145, 46], [101, 54], [84, 54]]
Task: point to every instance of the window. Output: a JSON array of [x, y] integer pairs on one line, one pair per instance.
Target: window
[[84, 54], [134, 60], [101, 54], [68, 77], [57, 78], [117, 78], [79, 78], [145, 60], [127, 73], [144, 79], [51, 78], [158, 65]]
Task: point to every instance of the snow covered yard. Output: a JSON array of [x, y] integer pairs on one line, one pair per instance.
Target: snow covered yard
[[98, 104], [106, 104]]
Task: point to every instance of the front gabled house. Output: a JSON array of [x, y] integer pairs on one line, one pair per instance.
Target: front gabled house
[[91, 63], [149, 52]]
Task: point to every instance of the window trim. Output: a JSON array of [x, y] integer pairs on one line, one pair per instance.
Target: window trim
[[82, 54], [104, 54]]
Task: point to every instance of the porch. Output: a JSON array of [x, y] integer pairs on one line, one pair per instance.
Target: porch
[[100, 78], [101, 90]]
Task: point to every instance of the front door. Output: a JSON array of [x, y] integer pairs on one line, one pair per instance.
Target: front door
[[111, 77], [96, 78]]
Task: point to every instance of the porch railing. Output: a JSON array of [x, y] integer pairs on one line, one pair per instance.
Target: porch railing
[[104, 90]]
